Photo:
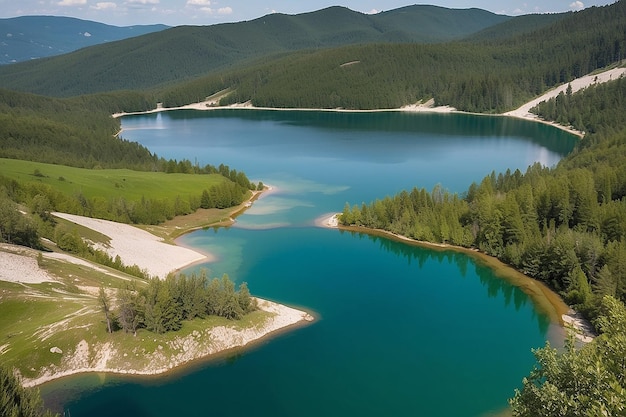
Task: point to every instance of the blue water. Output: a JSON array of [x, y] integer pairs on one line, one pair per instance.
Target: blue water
[[401, 330]]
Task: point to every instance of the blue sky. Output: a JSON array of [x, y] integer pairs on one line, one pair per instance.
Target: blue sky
[[208, 12]]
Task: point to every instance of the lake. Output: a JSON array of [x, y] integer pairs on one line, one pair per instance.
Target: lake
[[401, 330]]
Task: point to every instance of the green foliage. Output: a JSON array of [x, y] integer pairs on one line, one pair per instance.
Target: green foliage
[[105, 304], [129, 312], [164, 304], [122, 195], [78, 132], [476, 76], [484, 74], [590, 381], [17, 401], [598, 108], [16, 228], [185, 52], [564, 226]]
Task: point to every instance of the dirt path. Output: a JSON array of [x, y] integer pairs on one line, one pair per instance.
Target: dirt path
[[577, 84]]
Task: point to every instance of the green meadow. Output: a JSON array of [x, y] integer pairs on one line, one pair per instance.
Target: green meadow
[[109, 183]]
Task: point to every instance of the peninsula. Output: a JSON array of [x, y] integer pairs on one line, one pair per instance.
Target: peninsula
[[69, 337]]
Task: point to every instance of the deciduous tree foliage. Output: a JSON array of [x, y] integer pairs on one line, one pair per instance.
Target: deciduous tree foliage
[[590, 381]]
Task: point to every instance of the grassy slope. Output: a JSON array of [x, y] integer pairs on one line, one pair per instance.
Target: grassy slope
[[36, 317], [133, 185]]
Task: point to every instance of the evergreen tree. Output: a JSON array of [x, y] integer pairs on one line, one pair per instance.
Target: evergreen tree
[[17, 401]]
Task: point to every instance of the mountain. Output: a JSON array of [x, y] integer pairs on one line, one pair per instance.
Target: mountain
[[518, 25], [479, 76], [30, 37], [186, 52]]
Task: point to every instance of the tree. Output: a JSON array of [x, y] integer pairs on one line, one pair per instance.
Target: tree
[[128, 316], [590, 381], [105, 304], [229, 306], [17, 401], [162, 312], [246, 302], [205, 200]]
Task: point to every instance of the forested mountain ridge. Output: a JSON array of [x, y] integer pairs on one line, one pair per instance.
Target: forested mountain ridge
[[492, 76], [190, 51], [517, 26], [477, 76], [31, 37]]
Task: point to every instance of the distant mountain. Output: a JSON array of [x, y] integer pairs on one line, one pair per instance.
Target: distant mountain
[[518, 25], [482, 76], [29, 37], [186, 52]]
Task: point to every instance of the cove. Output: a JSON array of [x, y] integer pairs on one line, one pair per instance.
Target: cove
[[402, 330]]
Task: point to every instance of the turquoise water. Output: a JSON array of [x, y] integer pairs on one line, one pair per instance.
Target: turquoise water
[[402, 330]]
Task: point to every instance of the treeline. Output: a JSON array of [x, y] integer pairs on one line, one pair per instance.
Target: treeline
[[477, 76], [163, 305], [43, 198], [564, 226], [120, 209], [76, 132], [599, 111], [26, 230]]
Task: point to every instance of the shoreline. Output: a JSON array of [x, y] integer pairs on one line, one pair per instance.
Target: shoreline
[[522, 112], [210, 344], [205, 344], [543, 297]]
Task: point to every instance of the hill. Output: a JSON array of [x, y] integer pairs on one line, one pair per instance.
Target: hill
[[31, 37], [475, 76], [519, 25], [187, 52]]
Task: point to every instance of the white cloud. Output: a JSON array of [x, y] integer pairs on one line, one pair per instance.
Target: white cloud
[[373, 11], [198, 2], [143, 1], [72, 2], [104, 5], [577, 5], [225, 10]]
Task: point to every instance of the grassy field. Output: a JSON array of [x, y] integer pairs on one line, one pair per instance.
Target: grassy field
[[36, 317], [66, 314], [108, 183]]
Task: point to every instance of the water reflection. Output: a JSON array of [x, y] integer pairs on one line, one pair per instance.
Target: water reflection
[[495, 287]]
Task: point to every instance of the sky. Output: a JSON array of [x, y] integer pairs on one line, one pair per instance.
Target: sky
[[209, 12]]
